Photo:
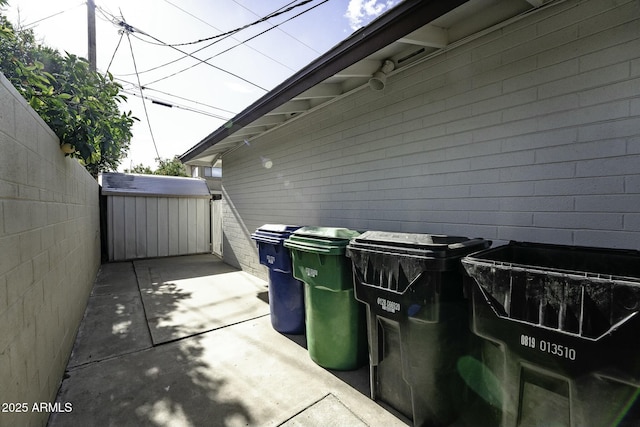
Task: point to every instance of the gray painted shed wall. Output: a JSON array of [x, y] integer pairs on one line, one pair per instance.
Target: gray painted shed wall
[[531, 132], [146, 227]]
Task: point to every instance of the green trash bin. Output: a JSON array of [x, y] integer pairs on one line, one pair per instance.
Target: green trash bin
[[335, 321]]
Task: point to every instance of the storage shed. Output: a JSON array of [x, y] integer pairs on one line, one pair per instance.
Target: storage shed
[[150, 216]]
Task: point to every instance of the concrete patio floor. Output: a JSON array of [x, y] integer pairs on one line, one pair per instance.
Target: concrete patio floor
[[187, 341]]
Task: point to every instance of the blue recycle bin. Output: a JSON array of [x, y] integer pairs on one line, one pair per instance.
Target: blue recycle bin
[[286, 294]]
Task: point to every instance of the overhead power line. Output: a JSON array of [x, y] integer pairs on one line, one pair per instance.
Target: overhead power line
[[130, 29], [144, 105], [34, 23], [269, 29], [114, 54], [239, 44], [226, 33], [170, 104], [259, 52], [136, 87], [223, 37], [200, 61], [190, 100], [290, 35]]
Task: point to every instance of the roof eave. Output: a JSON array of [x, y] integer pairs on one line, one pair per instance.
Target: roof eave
[[389, 27]]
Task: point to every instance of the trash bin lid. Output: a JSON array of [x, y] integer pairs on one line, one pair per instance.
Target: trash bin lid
[[415, 244], [564, 260], [323, 240], [273, 233], [583, 291], [331, 233]]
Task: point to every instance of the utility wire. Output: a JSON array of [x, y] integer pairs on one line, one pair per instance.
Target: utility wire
[[190, 100], [290, 35], [175, 60], [230, 34], [170, 104], [106, 15], [144, 105], [269, 29], [239, 44], [226, 33], [211, 44], [134, 86], [203, 61], [114, 53], [131, 29], [32, 24]]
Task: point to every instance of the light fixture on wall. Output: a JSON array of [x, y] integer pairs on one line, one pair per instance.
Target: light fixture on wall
[[266, 162], [378, 81]]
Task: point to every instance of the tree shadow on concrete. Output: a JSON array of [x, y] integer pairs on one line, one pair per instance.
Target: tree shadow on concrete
[[168, 384], [215, 295], [113, 322]]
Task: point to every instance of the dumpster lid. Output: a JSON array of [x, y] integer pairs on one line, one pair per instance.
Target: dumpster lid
[[273, 233], [331, 233], [321, 240], [278, 228], [582, 291], [433, 244], [579, 261]]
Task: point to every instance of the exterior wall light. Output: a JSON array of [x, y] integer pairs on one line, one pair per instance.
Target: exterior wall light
[[378, 81], [266, 162]]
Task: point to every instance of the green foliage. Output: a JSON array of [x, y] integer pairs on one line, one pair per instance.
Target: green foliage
[[167, 167], [79, 105], [145, 170], [173, 167]]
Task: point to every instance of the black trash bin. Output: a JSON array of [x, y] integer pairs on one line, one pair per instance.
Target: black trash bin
[[561, 330], [417, 320], [286, 294]]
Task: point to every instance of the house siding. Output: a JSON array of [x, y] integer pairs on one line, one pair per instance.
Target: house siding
[[530, 132], [49, 256]]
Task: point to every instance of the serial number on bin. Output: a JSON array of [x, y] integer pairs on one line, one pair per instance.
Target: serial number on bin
[[548, 347], [389, 306]]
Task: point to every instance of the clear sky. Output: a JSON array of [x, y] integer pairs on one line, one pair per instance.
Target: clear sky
[[238, 73]]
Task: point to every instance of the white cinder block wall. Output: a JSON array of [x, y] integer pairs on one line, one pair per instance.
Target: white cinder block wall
[[530, 133], [49, 256]]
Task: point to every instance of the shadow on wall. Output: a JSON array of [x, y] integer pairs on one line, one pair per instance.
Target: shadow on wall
[[232, 254]]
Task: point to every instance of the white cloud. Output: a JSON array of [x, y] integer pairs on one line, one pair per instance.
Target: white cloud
[[361, 12]]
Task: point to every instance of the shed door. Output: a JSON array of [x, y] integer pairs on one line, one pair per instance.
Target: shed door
[[216, 227]]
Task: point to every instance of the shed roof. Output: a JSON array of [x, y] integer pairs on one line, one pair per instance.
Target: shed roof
[[412, 31], [131, 184]]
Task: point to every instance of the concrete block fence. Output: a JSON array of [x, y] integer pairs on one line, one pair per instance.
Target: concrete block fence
[[49, 257]]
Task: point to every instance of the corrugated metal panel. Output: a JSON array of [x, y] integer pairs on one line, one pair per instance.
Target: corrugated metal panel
[[145, 227], [131, 184]]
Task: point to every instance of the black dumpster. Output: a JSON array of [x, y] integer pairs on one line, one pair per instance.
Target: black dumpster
[[561, 334], [417, 320]]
